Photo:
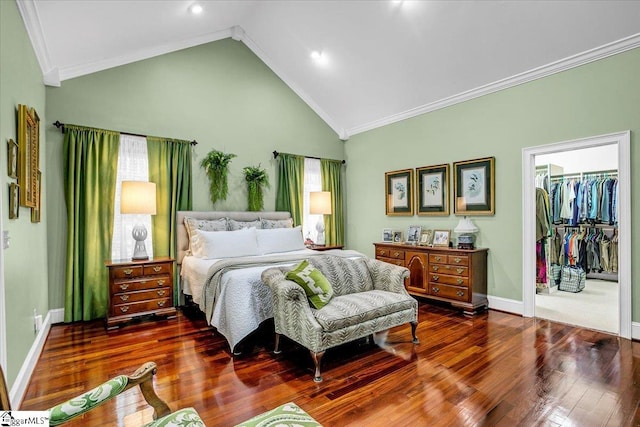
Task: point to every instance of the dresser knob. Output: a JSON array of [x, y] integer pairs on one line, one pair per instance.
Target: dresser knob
[[460, 293], [124, 297], [435, 268], [128, 271], [160, 282], [460, 281], [383, 253], [435, 289], [124, 308], [124, 286], [457, 260], [438, 258], [161, 292], [459, 270], [161, 303], [157, 268], [396, 254], [436, 277]]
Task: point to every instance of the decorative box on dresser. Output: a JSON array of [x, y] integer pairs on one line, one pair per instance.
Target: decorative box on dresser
[[456, 276], [139, 288]]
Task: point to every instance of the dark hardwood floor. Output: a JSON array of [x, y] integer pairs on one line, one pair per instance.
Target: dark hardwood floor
[[493, 369]]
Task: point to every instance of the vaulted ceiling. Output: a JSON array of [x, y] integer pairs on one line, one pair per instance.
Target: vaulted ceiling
[[381, 61]]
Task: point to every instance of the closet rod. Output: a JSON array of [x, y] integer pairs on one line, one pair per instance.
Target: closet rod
[[276, 154], [61, 127]]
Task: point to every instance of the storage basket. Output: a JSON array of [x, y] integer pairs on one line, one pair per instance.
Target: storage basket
[[572, 279]]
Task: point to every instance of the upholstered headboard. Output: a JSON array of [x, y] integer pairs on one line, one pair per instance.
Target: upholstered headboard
[[183, 239]]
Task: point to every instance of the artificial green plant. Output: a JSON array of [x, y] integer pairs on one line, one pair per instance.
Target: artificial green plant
[[257, 179], [216, 166]]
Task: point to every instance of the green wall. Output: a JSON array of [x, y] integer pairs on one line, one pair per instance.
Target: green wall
[[25, 262], [594, 99], [219, 93]]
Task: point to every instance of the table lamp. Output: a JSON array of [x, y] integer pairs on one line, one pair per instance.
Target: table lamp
[[320, 204], [465, 231], [138, 197]]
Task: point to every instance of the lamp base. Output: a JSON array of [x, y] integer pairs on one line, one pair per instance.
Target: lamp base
[[139, 234], [465, 241], [320, 230]]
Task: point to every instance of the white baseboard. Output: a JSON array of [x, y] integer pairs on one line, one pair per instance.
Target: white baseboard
[[507, 305], [21, 382], [57, 315], [635, 331]]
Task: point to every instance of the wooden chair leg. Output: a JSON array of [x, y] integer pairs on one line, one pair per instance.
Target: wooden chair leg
[[317, 358], [414, 326], [276, 347]]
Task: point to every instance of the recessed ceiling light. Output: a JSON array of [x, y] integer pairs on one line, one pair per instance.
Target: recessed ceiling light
[[316, 55], [319, 57], [195, 9]]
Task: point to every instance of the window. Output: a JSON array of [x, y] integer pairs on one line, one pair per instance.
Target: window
[[312, 182]]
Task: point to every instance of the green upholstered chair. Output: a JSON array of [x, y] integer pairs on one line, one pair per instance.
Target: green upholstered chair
[[143, 377]]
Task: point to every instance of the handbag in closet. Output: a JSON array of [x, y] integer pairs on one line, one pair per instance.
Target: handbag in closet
[[572, 279]]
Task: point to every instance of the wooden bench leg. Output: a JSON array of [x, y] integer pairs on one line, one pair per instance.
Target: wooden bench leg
[[317, 358]]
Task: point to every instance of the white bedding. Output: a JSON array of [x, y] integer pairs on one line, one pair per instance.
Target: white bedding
[[243, 301]]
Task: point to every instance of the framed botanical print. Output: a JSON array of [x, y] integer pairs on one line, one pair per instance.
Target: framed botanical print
[[474, 183], [12, 159], [14, 200], [433, 190], [399, 192]]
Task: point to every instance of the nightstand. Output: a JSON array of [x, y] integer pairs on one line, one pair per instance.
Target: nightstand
[[324, 248], [139, 288]]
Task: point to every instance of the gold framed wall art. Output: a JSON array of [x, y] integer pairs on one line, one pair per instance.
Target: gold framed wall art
[[28, 155], [433, 190], [474, 183], [399, 192]]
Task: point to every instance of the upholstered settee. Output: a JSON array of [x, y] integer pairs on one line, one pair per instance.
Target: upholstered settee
[[368, 297]]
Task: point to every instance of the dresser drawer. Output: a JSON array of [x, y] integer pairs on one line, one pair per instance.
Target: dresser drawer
[[437, 258], [393, 261], [129, 297], [155, 269], [450, 292], [126, 272], [140, 307], [142, 284], [449, 269], [450, 280], [390, 253], [458, 260]]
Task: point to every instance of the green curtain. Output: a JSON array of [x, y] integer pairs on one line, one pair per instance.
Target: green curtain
[[331, 173], [170, 169], [90, 162], [290, 191]]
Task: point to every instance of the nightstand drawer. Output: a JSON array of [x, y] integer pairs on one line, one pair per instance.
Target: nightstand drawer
[[450, 280], [130, 297], [449, 269], [140, 307], [142, 284], [126, 272], [449, 292], [154, 269]]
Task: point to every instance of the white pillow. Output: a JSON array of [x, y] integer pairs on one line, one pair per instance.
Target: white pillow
[[280, 240], [225, 244]]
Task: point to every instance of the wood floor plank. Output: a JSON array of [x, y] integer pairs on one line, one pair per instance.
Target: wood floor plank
[[492, 369]]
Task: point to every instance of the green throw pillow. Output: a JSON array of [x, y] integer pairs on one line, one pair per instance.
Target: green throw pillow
[[315, 285]]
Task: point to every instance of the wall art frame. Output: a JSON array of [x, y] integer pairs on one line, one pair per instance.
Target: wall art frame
[[12, 159], [36, 211], [432, 186], [14, 201], [399, 192], [28, 155], [441, 238], [474, 183]]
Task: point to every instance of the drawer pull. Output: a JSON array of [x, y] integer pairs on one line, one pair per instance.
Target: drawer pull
[[438, 258], [435, 268], [160, 282], [161, 303], [124, 297], [128, 271], [124, 286], [124, 308], [157, 268], [435, 289], [436, 277], [457, 260], [395, 254], [460, 293], [460, 281], [161, 292], [459, 270], [383, 253]]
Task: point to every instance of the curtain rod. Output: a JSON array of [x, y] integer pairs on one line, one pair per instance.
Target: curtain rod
[[61, 127], [276, 154]]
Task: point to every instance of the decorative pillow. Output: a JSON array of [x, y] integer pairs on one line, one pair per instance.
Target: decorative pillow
[[280, 240], [233, 225], [315, 285], [193, 224], [277, 223], [225, 244]]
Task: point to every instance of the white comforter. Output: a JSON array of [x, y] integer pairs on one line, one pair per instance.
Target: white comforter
[[242, 301]]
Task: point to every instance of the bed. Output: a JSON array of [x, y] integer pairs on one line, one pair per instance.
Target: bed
[[221, 264]]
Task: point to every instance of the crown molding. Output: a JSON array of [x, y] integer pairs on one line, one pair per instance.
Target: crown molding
[[573, 61], [31, 18], [95, 66], [244, 37]]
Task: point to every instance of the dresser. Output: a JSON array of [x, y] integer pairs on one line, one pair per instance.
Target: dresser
[[456, 276], [139, 288]]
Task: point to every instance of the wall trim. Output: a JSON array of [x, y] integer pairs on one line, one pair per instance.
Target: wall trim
[[506, 305], [57, 315], [564, 64], [635, 331], [31, 18], [19, 387]]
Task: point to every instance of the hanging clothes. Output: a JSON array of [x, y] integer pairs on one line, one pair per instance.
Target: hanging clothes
[[588, 199]]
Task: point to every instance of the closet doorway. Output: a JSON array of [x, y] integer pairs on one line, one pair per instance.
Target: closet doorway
[[605, 302]]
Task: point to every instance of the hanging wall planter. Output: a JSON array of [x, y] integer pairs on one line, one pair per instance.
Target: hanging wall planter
[[257, 179], [216, 165]]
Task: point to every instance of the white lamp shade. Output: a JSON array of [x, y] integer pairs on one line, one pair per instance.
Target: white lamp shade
[[465, 226], [320, 203], [138, 197]]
